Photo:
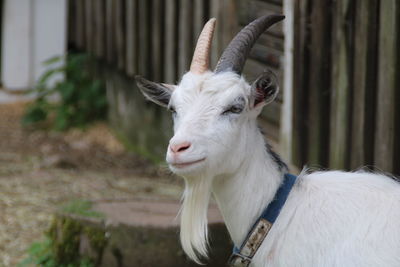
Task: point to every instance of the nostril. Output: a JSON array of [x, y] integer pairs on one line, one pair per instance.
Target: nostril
[[180, 147]]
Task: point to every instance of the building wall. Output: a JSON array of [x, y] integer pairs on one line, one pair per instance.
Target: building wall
[[32, 32]]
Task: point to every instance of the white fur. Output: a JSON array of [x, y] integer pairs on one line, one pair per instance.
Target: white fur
[[330, 218]]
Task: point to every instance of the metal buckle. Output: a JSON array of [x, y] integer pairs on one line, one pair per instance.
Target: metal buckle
[[238, 260]]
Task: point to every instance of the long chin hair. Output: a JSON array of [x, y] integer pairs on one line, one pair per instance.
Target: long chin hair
[[194, 230]]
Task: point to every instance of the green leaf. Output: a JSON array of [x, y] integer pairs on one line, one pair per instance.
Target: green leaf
[[53, 60]]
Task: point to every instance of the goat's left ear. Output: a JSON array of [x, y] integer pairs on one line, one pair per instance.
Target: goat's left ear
[[264, 89], [158, 93]]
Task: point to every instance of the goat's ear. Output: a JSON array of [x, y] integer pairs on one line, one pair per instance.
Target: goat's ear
[[264, 89], [158, 93]]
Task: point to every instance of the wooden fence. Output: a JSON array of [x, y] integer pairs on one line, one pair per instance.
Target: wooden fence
[[346, 84], [156, 38]]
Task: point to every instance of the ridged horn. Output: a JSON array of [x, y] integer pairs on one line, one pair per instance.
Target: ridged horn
[[235, 55], [201, 55]]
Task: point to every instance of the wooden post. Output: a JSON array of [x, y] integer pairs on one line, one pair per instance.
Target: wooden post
[[364, 84], [80, 22], [301, 59], [171, 37], [157, 40], [387, 81], [120, 32], [100, 40], [131, 37], [286, 129], [110, 33], [341, 85], [144, 39], [215, 12], [319, 83], [89, 25], [198, 18], [185, 36]]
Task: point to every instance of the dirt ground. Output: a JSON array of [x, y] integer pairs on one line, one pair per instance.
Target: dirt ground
[[40, 170]]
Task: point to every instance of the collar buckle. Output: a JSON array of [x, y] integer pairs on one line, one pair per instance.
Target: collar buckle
[[239, 260]]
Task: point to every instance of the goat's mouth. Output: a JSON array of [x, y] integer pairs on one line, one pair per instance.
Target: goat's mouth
[[181, 165]]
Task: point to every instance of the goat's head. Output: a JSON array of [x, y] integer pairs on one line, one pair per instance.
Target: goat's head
[[212, 112]]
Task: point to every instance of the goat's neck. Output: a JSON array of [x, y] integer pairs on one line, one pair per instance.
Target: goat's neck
[[243, 195]]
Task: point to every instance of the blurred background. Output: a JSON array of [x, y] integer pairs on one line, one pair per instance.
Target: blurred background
[[82, 178]]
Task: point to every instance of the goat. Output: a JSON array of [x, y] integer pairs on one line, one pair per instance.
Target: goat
[[330, 218]]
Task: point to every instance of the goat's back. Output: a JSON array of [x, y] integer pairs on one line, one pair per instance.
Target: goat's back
[[336, 219]]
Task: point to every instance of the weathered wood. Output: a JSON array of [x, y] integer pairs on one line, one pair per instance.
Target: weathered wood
[[99, 14], [341, 81], [157, 40], [256, 9], [131, 37], [89, 25], [387, 79], [199, 18], [80, 24], [319, 83], [269, 40], [229, 22], [185, 36], [266, 55], [286, 118], [301, 61], [110, 32], [71, 35], [365, 78], [120, 32], [216, 47], [144, 39], [171, 36]]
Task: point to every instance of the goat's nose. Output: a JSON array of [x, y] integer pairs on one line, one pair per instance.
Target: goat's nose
[[180, 147]]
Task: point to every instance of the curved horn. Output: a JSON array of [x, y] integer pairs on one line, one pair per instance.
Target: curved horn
[[200, 61], [235, 54]]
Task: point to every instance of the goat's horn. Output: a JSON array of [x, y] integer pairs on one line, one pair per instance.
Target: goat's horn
[[200, 61], [236, 53]]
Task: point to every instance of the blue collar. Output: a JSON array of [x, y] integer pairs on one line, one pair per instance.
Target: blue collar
[[242, 256]]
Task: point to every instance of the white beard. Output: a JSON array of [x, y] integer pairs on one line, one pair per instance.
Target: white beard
[[193, 213]]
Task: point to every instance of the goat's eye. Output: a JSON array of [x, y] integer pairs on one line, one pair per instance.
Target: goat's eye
[[236, 109]]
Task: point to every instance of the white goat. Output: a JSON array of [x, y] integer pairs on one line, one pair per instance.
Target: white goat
[[330, 218]]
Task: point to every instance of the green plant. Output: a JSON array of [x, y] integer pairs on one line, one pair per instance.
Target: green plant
[[82, 98], [61, 247], [41, 254], [81, 207]]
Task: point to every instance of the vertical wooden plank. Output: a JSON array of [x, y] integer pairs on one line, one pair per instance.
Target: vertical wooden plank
[[156, 40], [71, 37], [229, 22], [319, 83], [89, 26], [80, 22], [99, 17], [301, 67], [198, 18], [110, 33], [386, 95], [171, 35], [144, 40], [185, 36], [341, 85], [120, 32], [364, 85], [286, 128], [216, 48], [131, 37]]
